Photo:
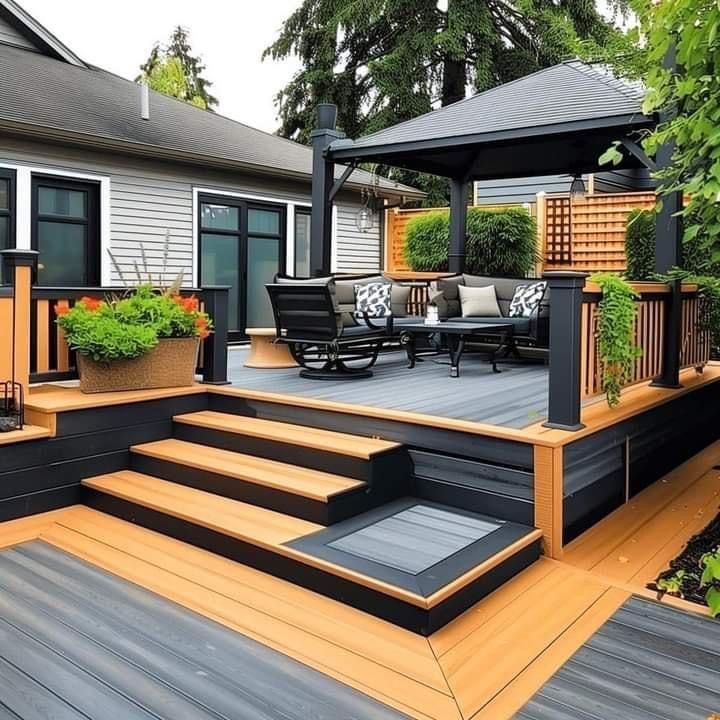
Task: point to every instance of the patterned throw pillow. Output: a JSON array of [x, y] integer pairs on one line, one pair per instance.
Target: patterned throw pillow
[[373, 300], [527, 299]]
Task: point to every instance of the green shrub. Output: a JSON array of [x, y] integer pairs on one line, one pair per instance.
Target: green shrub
[[640, 245], [498, 242], [122, 328], [640, 249]]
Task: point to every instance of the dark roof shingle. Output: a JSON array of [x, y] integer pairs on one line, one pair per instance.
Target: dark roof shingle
[[45, 93], [570, 92]]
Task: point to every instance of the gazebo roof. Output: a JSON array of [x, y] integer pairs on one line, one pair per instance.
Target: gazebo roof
[[556, 119]]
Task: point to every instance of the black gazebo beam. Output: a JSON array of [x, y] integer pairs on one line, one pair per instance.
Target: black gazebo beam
[[458, 224]]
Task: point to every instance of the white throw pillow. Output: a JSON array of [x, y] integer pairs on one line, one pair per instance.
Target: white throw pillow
[[479, 301], [527, 299]]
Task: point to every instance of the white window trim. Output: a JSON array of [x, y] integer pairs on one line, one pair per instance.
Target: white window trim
[[290, 206], [23, 203]]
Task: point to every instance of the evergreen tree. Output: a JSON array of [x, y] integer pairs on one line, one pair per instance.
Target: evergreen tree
[[385, 61], [175, 71]]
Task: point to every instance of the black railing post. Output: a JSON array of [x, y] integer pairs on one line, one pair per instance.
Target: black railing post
[[672, 339], [566, 296], [215, 349]]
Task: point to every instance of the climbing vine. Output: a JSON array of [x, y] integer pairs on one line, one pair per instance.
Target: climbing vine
[[617, 351]]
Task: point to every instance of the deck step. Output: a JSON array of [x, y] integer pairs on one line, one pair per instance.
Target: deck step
[[309, 494], [363, 458], [414, 563]]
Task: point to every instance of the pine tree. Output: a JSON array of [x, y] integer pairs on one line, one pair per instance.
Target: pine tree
[[175, 71], [385, 61]]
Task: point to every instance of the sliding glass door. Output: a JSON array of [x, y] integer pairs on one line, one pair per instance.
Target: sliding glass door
[[242, 244], [7, 209]]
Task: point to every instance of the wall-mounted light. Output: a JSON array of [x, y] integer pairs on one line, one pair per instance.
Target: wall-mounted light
[[577, 188]]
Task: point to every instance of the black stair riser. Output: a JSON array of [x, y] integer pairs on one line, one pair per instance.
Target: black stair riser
[[392, 464], [396, 611], [338, 508], [274, 450], [476, 499]]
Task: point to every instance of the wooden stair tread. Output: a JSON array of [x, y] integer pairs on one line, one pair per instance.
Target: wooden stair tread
[[315, 438], [313, 484], [269, 529], [246, 522]]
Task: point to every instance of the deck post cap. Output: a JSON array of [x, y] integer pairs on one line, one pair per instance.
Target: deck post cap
[[15, 257]]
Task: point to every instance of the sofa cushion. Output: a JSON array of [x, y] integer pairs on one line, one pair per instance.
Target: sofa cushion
[[449, 286], [373, 300], [527, 299], [521, 326], [476, 301], [399, 300]]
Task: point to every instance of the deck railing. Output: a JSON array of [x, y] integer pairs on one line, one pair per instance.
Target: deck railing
[[37, 346], [670, 320], [52, 360]]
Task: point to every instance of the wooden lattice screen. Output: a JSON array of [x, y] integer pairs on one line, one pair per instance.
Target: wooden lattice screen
[[590, 235], [558, 247]]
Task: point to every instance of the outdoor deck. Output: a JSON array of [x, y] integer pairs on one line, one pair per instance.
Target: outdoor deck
[[485, 665], [517, 397]]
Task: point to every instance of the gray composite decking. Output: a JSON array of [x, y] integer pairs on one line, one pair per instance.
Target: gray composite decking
[[79, 643], [648, 662], [516, 397]]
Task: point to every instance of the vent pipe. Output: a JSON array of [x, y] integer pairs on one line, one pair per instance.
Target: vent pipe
[[144, 101]]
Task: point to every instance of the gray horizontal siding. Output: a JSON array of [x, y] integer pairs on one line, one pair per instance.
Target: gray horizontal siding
[[525, 190], [148, 200], [10, 36], [357, 252]]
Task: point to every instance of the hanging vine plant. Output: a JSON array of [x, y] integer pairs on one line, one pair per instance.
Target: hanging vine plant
[[617, 351]]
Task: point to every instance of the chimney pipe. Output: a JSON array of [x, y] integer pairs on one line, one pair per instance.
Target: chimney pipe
[[144, 101]]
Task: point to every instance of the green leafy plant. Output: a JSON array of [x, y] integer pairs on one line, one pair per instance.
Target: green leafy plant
[[640, 245], [673, 584], [616, 333], [498, 242], [710, 579], [128, 326]]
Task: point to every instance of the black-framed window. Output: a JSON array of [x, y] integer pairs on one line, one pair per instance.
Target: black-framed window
[[66, 231], [7, 209], [242, 244], [302, 242]]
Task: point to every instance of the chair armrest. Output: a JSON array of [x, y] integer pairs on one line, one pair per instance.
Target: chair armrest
[[388, 326]]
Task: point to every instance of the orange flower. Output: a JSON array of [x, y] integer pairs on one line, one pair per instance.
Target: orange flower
[[61, 310], [205, 333], [191, 304], [91, 304]]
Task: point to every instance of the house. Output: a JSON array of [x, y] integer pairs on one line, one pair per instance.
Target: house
[[83, 172]]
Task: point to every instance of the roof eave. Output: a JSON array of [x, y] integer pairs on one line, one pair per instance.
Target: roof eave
[[100, 142], [629, 120], [27, 24]]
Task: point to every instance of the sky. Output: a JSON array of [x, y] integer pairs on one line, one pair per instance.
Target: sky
[[229, 35]]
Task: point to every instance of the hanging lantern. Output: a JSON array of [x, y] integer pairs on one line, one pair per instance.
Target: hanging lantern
[[365, 218], [577, 188]]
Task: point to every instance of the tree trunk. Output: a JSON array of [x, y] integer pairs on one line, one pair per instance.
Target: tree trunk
[[453, 88]]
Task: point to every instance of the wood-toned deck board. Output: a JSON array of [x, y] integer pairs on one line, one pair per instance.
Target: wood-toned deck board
[[297, 480], [316, 438]]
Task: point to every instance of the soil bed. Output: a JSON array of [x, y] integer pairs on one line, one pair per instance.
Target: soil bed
[[707, 540]]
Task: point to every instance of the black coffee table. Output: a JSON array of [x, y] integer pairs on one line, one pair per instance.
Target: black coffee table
[[456, 334]]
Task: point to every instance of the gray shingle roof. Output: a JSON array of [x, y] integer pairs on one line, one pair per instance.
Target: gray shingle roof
[[570, 92], [39, 92]]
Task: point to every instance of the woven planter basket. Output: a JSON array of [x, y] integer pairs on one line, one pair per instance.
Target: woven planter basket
[[170, 364]]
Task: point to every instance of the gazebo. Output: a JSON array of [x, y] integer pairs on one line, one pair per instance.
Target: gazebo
[[557, 120]]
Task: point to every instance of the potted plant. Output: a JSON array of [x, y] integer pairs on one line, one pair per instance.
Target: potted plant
[[146, 338]]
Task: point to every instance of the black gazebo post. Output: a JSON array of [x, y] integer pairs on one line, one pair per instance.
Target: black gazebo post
[[323, 176], [458, 224], [668, 254]]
